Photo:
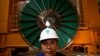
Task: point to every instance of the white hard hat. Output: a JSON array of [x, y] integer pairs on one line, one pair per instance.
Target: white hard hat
[[48, 33]]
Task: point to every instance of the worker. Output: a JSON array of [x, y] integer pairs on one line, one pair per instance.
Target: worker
[[49, 43]]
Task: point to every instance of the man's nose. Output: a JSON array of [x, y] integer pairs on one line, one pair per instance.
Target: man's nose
[[49, 46]]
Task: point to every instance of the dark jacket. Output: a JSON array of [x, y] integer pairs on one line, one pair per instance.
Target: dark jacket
[[57, 54]]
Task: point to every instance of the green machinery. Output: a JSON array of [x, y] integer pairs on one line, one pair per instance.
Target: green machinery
[[61, 14]]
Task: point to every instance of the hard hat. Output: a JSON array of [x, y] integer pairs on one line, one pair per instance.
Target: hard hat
[[48, 33]]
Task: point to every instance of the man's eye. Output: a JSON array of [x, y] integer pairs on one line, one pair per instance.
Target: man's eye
[[44, 43], [53, 42]]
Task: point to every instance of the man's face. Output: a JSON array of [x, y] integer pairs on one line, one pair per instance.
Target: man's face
[[49, 47]]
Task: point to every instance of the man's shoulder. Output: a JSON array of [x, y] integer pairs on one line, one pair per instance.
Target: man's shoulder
[[40, 54], [57, 54], [60, 54]]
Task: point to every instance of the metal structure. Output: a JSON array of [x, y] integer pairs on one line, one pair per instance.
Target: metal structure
[[14, 29], [62, 16]]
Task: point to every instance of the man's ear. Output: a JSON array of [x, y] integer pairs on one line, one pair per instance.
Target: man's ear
[[57, 49], [40, 47]]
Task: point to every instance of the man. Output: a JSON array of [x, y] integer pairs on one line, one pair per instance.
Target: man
[[49, 43]]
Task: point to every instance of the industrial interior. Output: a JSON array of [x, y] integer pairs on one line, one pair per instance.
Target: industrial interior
[[86, 40]]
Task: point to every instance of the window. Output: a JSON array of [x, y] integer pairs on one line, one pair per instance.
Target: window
[[78, 6], [99, 5], [78, 49], [14, 10]]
